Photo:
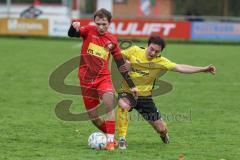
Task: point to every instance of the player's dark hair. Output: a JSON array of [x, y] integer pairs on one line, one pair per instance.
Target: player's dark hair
[[156, 39], [102, 13]]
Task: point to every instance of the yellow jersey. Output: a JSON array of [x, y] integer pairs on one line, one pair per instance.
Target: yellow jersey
[[144, 71]]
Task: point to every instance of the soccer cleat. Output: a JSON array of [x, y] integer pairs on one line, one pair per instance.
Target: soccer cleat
[[122, 144], [110, 146], [165, 138]]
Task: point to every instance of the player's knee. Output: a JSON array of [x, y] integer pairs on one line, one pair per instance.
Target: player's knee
[[123, 104], [108, 101]]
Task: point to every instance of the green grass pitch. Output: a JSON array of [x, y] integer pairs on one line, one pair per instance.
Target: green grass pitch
[[202, 111]]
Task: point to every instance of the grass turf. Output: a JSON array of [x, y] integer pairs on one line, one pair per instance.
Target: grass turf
[[202, 111]]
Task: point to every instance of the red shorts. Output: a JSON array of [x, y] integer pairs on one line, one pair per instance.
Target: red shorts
[[93, 91]]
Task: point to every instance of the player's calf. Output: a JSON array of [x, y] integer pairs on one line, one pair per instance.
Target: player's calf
[[161, 127], [164, 133]]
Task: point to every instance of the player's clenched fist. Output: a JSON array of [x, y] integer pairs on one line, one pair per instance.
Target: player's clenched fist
[[210, 68], [76, 25]]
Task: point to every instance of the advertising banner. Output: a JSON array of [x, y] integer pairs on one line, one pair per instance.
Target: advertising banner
[[144, 28], [25, 27], [59, 27], [215, 31]]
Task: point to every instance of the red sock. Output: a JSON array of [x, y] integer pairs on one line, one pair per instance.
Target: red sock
[[110, 127], [102, 127]]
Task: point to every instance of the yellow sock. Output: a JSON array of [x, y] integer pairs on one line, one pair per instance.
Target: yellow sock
[[122, 122]]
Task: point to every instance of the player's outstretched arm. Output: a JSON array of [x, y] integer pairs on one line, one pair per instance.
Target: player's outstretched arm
[[183, 68], [74, 30]]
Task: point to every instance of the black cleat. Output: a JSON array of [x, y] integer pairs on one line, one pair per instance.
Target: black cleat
[[165, 138]]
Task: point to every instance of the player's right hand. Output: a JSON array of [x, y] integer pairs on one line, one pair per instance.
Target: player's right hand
[[76, 25]]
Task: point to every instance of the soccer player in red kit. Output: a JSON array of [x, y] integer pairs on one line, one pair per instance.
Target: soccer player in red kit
[[94, 74]]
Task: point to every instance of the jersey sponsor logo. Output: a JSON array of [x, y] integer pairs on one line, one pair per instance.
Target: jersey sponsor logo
[[141, 72], [98, 51], [147, 64]]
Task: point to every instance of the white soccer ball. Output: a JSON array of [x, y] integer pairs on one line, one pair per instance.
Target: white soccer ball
[[97, 140]]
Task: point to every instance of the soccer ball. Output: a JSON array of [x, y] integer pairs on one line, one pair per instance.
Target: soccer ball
[[97, 140]]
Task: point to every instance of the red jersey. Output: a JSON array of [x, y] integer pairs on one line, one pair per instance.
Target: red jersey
[[95, 53]]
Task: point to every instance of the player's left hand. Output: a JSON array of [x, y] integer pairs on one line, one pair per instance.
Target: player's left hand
[[135, 92], [210, 68]]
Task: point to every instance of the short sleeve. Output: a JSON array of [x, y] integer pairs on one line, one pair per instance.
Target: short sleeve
[[167, 64], [128, 52]]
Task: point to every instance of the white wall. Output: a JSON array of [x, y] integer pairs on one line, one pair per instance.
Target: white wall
[[48, 11], [107, 4]]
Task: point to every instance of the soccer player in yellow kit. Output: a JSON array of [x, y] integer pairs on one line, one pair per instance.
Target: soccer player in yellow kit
[[146, 65]]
